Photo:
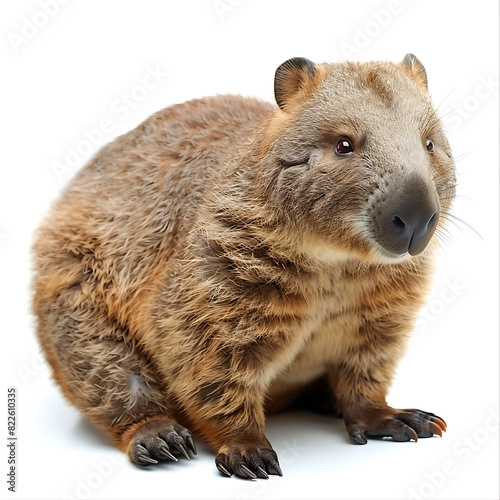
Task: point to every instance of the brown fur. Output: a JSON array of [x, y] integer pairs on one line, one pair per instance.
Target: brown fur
[[197, 270]]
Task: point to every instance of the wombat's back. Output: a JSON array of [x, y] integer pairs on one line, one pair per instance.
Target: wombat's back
[[122, 217]]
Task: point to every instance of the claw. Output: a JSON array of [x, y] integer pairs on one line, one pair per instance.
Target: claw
[[247, 471], [223, 470], [147, 459], [435, 429], [411, 433], [262, 473], [439, 421], [277, 468], [183, 450], [191, 445], [166, 452], [439, 418], [359, 437]]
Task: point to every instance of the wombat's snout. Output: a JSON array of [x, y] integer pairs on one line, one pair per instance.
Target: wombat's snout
[[407, 217]]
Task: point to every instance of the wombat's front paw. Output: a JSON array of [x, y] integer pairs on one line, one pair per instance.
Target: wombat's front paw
[[160, 440], [249, 461], [400, 425]]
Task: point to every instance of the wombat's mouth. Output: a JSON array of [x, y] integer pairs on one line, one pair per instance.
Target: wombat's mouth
[[391, 256]]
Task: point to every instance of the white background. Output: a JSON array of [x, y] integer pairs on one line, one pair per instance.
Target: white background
[[63, 78]]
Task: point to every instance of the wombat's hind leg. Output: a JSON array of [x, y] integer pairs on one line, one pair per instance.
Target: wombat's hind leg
[[111, 381]]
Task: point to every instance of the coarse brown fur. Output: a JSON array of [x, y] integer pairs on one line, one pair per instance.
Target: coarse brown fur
[[220, 260]]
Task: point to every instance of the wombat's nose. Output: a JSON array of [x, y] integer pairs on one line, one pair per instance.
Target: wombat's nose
[[412, 228], [408, 218]]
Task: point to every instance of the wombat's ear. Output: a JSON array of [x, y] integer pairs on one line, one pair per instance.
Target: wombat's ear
[[292, 76], [417, 70]]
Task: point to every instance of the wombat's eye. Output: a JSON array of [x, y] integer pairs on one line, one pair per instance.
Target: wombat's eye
[[343, 147], [430, 146]]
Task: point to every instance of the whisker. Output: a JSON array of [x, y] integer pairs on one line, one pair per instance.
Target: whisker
[[455, 196], [444, 233], [455, 224], [442, 102], [438, 243], [467, 153], [447, 113], [459, 158], [443, 229], [449, 216], [462, 197]]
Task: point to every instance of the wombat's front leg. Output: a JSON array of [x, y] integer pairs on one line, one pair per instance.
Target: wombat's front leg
[[227, 407], [361, 384], [230, 415]]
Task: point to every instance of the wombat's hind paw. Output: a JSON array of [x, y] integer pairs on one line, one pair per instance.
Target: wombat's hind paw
[[159, 440], [400, 425], [248, 462]]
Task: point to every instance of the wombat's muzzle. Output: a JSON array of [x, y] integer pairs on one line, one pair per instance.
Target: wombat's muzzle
[[407, 217]]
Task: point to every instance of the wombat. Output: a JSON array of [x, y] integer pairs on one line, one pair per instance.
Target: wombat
[[229, 257]]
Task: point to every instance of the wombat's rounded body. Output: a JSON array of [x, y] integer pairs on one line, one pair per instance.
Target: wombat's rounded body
[[229, 256]]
